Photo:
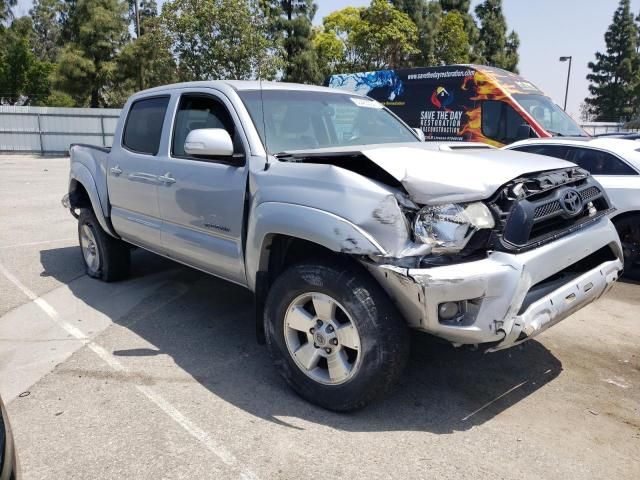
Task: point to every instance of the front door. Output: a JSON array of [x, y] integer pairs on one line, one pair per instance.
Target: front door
[[133, 171], [202, 199]]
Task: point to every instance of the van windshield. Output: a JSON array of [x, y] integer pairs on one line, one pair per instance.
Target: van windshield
[[303, 120], [552, 118]]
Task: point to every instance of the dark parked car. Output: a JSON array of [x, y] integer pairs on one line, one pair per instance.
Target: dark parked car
[[8, 458]]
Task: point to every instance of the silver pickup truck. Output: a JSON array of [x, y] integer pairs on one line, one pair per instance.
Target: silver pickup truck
[[346, 228]]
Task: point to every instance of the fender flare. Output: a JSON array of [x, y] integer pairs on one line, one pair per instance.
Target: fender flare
[[81, 174], [306, 223]]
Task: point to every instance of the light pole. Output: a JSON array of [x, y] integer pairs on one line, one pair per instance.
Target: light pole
[[566, 93]]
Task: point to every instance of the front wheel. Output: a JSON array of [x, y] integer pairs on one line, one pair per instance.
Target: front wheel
[[334, 335]]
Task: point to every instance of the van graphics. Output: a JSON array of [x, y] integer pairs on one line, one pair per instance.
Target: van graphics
[[445, 102], [385, 83], [441, 97]]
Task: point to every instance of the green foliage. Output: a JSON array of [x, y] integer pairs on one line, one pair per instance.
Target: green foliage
[[87, 65], [379, 36], [470, 27], [289, 23], [452, 42], [498, 49], [147, 9], [427, 16], [5, 10], [47, 27], [615, 77], [147, 59], [24, 79], [219, 39]]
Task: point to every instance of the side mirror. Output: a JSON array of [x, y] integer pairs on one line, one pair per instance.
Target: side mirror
[[524, 132], [209, 142], [420, 133]]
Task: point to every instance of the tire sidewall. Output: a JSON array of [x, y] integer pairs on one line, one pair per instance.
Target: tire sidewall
[[89, 220], [382, 338]]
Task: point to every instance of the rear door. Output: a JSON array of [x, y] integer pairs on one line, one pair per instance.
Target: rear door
[[202, 200], [134, 171]]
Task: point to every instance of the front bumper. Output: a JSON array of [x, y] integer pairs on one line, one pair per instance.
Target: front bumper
[[510, 297]]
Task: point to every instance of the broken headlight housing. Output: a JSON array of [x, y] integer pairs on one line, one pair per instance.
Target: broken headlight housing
[[449, 227]]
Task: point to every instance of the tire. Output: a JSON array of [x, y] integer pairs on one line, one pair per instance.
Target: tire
[[347, 300], [105, 258], [629, 231]]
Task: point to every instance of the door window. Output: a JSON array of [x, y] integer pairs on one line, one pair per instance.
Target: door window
[[558, 151], [195, 112], [599, 163], [143, 128], [501, 122]]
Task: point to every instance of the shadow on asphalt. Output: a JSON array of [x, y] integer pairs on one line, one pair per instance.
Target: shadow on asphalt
[[207, 327]]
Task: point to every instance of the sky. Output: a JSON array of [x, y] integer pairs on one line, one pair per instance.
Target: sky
[[548, 29]]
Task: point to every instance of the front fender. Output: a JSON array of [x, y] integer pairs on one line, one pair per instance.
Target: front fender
[[306, 223], [81, 174]]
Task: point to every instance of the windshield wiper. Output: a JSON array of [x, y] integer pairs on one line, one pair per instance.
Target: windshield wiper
[[555, 134]]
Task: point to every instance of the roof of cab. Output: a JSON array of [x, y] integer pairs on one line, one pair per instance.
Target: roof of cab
[[243, 85], [614, 144]]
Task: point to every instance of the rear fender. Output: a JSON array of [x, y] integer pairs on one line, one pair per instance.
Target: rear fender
[[81, 174]]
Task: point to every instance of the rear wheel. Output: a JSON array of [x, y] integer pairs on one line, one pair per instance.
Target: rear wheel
[[105, 257], [629, 232], [334, 335]]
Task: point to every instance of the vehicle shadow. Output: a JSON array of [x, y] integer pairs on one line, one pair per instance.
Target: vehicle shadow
[[207, 327]]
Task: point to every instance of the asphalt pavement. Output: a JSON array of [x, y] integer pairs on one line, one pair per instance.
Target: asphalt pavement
[[160, 376]]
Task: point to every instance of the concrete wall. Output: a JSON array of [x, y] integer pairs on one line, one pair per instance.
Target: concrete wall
[[49, 130]]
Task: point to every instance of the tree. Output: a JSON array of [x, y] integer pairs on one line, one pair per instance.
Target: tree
[[24, 79], [87, 64], [614, 79], [147, 9], [148, 56], [427, 16], [46, 24], [470, 27], [5, 10], [498, 49], [218, 39], [290, 24], [452, 43], [372, 38]]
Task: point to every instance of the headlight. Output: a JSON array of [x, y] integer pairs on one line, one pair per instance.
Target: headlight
[[449, 227]]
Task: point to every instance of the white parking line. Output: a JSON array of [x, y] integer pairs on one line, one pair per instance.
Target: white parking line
[[30, 244], [187, 424]]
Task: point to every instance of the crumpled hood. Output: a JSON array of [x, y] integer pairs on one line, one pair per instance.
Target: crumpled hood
[[431, 177]]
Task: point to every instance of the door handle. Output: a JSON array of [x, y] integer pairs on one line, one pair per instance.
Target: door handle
[[116, 170], [167, 178]]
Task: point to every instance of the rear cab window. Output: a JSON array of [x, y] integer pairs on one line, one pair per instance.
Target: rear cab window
[[143, 128]]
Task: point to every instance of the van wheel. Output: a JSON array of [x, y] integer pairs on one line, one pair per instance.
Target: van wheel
[[629, 231], [334, 334], [105, 257]]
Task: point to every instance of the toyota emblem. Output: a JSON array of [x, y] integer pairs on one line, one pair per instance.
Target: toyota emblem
[[571, 202]]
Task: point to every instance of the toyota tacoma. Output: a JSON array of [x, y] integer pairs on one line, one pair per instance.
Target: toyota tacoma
[[348, 230]]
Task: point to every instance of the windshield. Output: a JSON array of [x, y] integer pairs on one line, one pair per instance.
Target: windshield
[[303, 120], [552, 118]]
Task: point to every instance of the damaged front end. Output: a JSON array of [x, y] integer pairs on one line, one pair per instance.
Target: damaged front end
[[536, 265], [483, 263]]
